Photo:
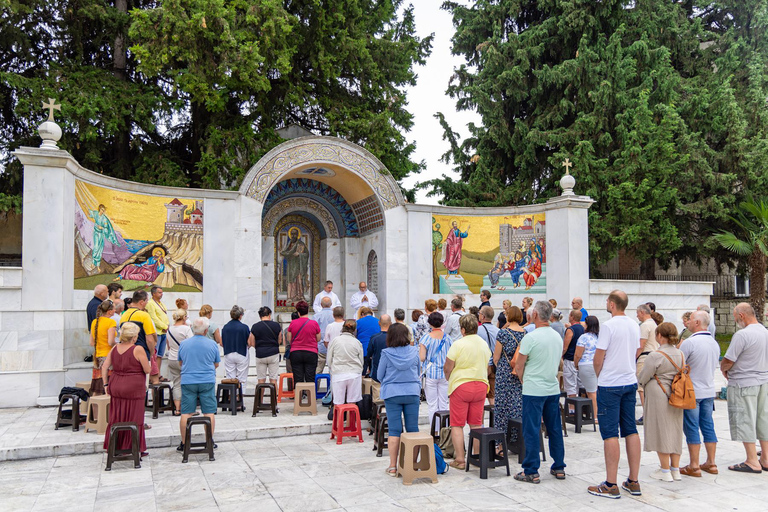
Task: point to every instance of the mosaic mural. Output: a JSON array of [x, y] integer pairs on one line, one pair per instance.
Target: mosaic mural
[[297, 262], [137, 239], [505, 254]]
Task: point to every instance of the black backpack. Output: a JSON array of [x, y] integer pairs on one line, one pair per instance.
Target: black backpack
[[366, 407]]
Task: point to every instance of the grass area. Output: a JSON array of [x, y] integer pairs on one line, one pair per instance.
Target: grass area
[[88, 283], [724, 340]]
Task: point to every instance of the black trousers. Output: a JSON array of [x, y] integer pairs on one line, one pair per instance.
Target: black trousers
[[304, 365]]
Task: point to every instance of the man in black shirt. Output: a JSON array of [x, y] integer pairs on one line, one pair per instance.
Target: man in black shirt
[[377, 344], [100, 294]]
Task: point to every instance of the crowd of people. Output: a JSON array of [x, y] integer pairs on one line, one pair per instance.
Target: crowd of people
[[519, 361]]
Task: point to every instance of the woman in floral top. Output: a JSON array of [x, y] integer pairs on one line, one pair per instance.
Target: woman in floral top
[[422, 327], [583, 357]]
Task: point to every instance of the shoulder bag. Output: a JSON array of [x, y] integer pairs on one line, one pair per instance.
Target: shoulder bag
[[681, 394]]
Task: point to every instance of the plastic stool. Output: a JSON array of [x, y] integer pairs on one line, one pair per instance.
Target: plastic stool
[[281, 392], [381, 439], [346, 422], [490, 409], [114, 454], [519, 445], [306, 399], [191, 448], [444, 417], [159, 402], [258, 400], [74, 419], [86, 386], [488, 457], [582, 412], [322, 377], [100, 420], [367, 385], [424, 466], [378, 408], [229, 396]]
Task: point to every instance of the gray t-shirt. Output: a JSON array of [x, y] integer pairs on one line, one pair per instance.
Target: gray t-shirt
[[559, 327], [702, 354], [488, 332], [749, 352]]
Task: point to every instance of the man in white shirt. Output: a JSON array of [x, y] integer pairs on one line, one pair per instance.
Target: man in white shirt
[[327, 291], [452, 328], [702, 355], [364, 297], [614, 362], [745, 365], [323, 318]]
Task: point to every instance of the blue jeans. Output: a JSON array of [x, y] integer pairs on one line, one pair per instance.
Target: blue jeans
[[616, 410], [405, 405], [700, 418], [534, 408], [161, 345]]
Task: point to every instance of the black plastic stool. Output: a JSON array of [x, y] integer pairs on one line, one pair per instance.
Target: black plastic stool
[[229, 396], [378, 408], [582, 413], [191, 448], [381, 441], [488, 457], [63, 419], [490, 409], [259, 396], [159, 402], [114, 454], [519, 445], [444, 419]]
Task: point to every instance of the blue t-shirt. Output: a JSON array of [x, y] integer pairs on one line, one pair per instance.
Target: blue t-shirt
[[367, 327], [584, 314], [234, 337], [197, 356]]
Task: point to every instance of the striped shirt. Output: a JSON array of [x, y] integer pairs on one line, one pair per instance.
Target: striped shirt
[[435, 360]]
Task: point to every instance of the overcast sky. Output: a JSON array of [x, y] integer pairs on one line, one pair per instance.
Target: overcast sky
[[429, 97]]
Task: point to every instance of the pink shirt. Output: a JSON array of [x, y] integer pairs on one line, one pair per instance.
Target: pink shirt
[[307, 338]]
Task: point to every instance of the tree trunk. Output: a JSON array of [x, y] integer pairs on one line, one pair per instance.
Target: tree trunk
[[119, 64], [648, 269], [757, 266]]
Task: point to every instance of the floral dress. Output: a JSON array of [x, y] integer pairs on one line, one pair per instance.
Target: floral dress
[[508, 403]]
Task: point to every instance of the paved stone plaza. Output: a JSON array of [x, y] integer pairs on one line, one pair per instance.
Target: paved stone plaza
[[300, 471]]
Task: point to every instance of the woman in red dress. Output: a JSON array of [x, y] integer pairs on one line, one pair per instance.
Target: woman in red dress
[[126, 386]]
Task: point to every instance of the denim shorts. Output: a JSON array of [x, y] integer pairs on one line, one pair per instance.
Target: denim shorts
[[205, 392], [616, 410], [161, 345], [700, 418]]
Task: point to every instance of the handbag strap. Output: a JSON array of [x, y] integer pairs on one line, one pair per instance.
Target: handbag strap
[[173, 337], [300, 328]]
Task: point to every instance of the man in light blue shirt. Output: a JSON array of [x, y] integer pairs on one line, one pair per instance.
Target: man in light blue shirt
[[452, 328], [488, 332], [537, 366], [198, 357], [324, 318]]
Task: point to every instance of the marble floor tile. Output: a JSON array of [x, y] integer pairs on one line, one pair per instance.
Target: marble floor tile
[[85, 500], [314, 500], [433, 503], [483, 499]]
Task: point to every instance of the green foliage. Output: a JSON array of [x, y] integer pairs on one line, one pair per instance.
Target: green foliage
[[206, 83], [660, 105]]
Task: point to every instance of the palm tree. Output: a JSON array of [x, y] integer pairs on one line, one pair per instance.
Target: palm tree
[[751, 240]]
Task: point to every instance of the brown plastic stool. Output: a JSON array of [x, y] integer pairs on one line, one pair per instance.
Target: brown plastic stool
[[86, 385], [440, 419], [99, 420], [281, 393], [114, 454], [74, 419], [367, 385], [159, 401], [191, 448], [424, 466], [305, 399], [259, 396]]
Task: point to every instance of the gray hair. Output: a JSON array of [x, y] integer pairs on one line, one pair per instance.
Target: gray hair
[[544, 309], [644, 308], [200, 325], [703, 307], [236, 312], [326, 302], [399, 314], [702, 317], [557, 315]]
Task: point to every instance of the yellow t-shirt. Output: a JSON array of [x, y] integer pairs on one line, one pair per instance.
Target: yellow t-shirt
[[102, 337], [471, 355], [143, 318]]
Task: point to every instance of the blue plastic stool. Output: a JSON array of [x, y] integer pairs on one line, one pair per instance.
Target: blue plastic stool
[[327, 378]]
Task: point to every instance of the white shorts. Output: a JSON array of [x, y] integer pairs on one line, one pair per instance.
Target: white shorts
[[347, 391], [269, 365]]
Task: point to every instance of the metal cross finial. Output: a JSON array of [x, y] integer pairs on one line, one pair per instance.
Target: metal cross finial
[[567, 164], [51, 106]]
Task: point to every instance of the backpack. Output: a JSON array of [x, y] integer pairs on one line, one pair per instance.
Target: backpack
[[440, 464], [365, 406], [681, 393], [446, 443]]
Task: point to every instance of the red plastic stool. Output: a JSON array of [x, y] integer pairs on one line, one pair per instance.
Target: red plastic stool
[[281, 393], [346, 422]]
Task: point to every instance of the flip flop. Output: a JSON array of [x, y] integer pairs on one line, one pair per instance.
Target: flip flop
[[744, 468], [458, 465]]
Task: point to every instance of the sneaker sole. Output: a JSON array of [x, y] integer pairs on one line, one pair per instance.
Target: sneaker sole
[[633, 493], [604, 495]]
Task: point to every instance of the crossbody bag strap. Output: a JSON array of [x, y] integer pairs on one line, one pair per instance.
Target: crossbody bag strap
[[679, 370]]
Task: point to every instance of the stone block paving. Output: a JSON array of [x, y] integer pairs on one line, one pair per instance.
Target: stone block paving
[[309, 472]]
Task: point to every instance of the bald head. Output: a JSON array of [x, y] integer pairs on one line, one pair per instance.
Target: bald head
[[617, 302], [699, 321], [101, 291], [385, 321], [363, 287], [577, 303], [326, 302], [744, 315]]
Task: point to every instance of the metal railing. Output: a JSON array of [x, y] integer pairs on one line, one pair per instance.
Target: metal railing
[[724, 286]]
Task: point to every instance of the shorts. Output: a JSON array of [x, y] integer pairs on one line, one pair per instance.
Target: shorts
[[466, 403], [700, 418], [348, 391], [640, 363], [588, 377], [491, 382], [268, 366], [153, 368], [748, 413], [161, 345], [205, 392], [616, 410], [570, 378]]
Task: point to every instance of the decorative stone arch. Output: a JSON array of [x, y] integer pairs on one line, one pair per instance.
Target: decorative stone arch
[[302, 205], [321, 150], [372, 272]]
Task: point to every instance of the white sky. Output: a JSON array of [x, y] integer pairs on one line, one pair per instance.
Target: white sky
[[429, 97]]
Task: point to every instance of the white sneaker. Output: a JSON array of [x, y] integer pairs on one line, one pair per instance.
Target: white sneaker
[[675, 474], [660, 475]]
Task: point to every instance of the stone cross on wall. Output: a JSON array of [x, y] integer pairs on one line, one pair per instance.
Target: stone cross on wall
[[51, 106]]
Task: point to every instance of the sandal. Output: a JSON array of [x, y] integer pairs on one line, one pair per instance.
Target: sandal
[[709, 468], [392, 471], [147, 426], [531, 479], [689, 471], [558, 473], [163, 379], [742, 467], [458, 465], [176, 413]]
